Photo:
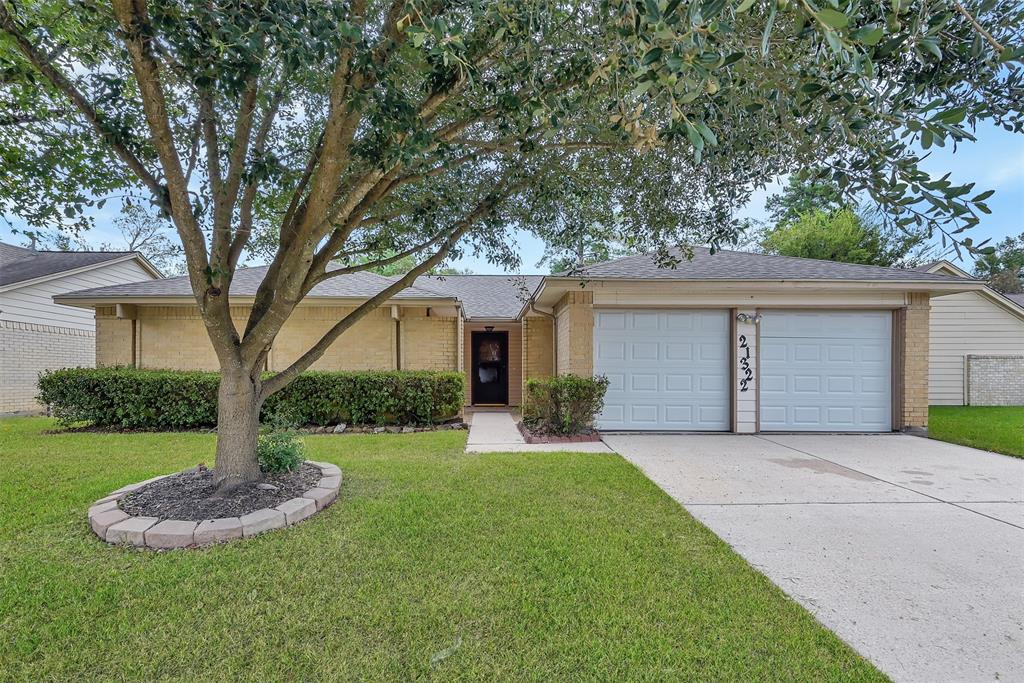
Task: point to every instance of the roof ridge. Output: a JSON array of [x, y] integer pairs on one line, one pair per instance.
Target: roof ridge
[[867, 266]]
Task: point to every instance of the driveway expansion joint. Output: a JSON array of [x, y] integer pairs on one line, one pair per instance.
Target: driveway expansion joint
[[892, 483]]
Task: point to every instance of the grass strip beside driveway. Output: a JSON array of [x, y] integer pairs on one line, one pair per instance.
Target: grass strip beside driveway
[[991, 428], [433, 564]]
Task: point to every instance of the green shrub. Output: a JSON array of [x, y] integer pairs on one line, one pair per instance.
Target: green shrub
[[280, 450], [127, 398], [566, 404]]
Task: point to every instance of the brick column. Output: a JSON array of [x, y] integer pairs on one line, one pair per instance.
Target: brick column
[[574, 330], [914, 350]]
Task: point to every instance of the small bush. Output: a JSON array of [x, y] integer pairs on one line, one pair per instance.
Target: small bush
[[280, 450], [127, 398], [566, 404]]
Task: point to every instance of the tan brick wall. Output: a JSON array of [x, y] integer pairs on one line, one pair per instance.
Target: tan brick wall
[[113, 339], [515, 356], [429, 342], [915, 361], [26, 349], [367, 345], [574, 328], [538, 347], [174, 337]]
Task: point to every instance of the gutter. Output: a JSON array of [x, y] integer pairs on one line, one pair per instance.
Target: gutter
[[531, 305]]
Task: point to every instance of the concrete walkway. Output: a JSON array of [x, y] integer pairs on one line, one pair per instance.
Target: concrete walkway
[[911, 550], [496, 432]]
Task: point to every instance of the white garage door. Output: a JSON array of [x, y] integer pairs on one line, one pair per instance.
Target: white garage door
[[667, 370], [826, 371]]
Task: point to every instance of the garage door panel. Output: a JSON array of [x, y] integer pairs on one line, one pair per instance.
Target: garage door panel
[[645, 321], [678, 383], [616, 381], [643, 413], [679, 415], [611, 350], [825, 371], [711, 384], [674, 373], [676, 351], [838, 384], [614, 411], [806, 384], [610, 321]]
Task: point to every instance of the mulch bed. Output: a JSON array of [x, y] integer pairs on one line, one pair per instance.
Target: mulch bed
[[531, 437], [190, 495]]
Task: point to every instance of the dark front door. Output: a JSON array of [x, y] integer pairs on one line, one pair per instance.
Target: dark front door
[[490, 368]]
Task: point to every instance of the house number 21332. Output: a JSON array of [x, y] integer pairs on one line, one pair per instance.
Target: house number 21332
[[746, 374]]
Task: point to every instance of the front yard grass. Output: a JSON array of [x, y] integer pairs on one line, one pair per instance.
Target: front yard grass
[[992, 428], [433, 564]]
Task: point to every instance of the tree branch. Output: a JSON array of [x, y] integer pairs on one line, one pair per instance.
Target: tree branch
[[358, 267], [979, 28], [132, 17], [281, 379], [99, 123]]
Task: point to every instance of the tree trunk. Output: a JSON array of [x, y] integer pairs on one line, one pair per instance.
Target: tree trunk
[[238, 425]]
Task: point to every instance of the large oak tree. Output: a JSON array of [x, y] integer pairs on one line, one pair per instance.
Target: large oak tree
[[389, 128]]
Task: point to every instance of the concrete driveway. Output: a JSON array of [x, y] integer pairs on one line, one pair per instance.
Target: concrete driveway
[[911, 550]]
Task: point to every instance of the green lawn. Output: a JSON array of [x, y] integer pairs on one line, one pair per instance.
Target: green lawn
[[433, 564], [999, 429]]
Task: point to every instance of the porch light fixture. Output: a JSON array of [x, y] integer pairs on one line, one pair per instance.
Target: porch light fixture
[[747, 318], [489, 328]]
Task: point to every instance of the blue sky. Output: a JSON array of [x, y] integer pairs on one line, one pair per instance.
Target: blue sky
[[995, 161]]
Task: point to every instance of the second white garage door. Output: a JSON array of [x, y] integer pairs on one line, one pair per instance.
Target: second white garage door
[[667, 370], [826, 371]]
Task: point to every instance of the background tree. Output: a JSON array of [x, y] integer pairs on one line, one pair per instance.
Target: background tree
[[801, 197], [431, 129], [843, 235], [1004, 267], [143, 232]]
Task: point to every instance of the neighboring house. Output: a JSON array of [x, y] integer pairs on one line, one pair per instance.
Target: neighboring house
[[37, 334], [977, 345], [730, 341]]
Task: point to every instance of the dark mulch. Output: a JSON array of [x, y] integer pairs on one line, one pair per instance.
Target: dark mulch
[[532, 436], [191, 495]]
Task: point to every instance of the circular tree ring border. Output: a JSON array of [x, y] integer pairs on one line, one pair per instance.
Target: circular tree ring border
[[115, 526]]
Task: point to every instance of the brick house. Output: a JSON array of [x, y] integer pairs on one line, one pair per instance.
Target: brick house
[[37, 334], [725, 342]]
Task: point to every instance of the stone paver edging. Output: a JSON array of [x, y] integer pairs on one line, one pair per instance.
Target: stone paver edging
[[114, 525]]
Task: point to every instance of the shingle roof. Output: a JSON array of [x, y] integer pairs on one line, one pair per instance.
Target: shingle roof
[[486, 296], [1016, 298], [19, 265], [246, 281], [740, 265]]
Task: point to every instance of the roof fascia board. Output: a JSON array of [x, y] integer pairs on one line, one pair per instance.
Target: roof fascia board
[[1004, 302], [954, 270], [916, 285], [148, 265], [92, 302]]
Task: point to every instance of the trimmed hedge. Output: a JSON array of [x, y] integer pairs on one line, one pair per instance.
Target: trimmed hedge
[[127, 398], [566, 404]]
